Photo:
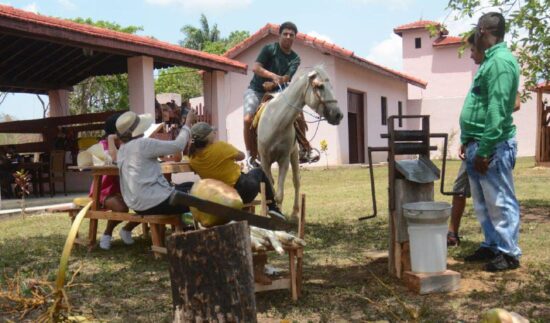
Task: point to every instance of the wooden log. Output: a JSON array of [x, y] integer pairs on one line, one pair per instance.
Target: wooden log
[[211, 275]]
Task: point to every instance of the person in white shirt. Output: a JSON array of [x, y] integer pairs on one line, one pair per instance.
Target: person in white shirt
[[144, 189]]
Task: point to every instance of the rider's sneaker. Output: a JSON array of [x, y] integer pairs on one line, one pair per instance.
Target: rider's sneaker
[[252, 162], [309, 156]]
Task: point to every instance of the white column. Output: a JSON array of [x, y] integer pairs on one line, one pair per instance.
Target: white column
[[215, 100], [141, 85], [59, 103]]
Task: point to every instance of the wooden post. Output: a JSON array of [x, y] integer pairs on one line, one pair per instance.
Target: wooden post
[[211, 275]]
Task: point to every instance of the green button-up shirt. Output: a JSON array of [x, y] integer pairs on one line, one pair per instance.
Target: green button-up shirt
[[486, 116]]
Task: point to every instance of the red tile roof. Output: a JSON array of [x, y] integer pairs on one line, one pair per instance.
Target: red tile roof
[[420, 24], [325, 47], [27, 22], [544, 86], [441, 41], [448, 41]]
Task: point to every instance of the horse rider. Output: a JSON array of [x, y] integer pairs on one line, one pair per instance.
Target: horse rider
[[274, 67]]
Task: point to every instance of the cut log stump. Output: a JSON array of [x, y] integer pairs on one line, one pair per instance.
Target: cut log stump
[[211, 275]]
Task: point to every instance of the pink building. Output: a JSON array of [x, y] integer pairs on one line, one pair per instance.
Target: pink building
[[367, 93], [436, 60]]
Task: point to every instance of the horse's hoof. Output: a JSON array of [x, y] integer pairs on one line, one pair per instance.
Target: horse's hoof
[[294, 216]]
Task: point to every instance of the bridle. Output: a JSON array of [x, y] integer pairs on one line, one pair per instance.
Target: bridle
[[317, 92]]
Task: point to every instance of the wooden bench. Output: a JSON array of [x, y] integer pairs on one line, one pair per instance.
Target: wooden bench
[[295, 261], [295, 254], [157, 224]]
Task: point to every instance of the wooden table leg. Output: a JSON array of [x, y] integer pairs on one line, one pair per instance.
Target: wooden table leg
[[293, 287], [96, 189], [299, 271], [156, 238], [145, 229], [92, 233]]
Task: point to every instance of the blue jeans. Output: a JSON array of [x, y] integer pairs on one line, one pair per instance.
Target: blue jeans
[[494, 198]]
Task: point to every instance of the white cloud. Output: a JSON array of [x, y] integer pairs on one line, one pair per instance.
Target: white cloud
[[457, 24], [315, 34], [31, 7], [218, 5], [388, 52], [390, 4], [67, 4]]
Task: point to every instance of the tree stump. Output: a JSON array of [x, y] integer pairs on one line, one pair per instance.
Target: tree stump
[[211, 275]]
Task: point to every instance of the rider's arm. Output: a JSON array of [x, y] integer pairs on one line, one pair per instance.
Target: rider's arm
[[261, 71]]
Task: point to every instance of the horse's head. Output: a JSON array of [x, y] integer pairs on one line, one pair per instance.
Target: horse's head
[[320, 96]]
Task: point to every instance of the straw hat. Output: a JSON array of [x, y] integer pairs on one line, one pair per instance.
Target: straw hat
[[130, 125]]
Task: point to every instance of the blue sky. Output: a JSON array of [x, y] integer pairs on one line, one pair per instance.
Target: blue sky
[[363, 26]]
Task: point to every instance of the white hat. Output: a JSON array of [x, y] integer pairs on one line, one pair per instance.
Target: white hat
[[129, 124]]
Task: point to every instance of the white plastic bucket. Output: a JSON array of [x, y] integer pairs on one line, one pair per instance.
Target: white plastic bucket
[[427, 227]]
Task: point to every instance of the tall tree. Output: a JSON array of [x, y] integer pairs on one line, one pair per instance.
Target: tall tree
[[101, 93], [182, 80], [528, 23], [187, 81], [197, 38], [45, 106]]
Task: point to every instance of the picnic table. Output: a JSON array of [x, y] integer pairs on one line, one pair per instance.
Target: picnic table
[[157, 222]]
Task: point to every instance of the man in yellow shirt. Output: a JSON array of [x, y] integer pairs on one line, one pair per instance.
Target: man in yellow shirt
[[217, 160]]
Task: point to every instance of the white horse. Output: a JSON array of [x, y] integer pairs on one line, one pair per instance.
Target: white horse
[[276, 134]]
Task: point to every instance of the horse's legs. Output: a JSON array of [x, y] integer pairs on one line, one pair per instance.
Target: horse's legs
[[294, 162], [283, 169]]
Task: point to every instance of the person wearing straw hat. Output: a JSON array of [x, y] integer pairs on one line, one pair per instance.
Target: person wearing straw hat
[[144, 189]]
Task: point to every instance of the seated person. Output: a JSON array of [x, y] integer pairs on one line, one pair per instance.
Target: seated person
[[144, 188], [217, 160], [109, 196]]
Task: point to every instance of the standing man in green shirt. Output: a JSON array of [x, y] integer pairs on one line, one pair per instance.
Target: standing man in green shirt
[[275, 66], [488, 135]]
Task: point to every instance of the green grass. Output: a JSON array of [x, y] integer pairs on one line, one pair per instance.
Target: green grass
[[341, 282]]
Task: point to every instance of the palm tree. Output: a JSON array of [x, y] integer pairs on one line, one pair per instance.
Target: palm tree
[[197, 38]]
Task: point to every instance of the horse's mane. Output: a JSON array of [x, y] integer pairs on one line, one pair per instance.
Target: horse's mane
[[306, 71]]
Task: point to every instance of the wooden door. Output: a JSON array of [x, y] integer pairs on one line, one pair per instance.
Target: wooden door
[[356, 127]]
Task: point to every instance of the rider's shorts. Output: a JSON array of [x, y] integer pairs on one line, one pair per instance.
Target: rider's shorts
[[252, 100]]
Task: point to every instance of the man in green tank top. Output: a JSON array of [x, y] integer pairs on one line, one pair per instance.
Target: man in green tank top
[[275, 66]]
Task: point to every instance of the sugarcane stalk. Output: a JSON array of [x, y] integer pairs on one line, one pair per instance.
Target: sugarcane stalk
[[60, 295]]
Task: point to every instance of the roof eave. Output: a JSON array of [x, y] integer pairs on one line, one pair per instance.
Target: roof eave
[[349, 56], [42, 30]]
